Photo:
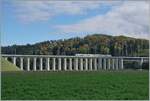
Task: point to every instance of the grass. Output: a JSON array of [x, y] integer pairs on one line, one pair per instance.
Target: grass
[[104, 85], [7, 66]]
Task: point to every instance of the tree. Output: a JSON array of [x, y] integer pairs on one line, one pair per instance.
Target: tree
[[91, 44]]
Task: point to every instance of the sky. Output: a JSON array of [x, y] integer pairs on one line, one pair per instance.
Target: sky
[[31, 21]]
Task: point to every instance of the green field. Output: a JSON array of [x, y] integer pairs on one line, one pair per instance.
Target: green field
[[75, 85]]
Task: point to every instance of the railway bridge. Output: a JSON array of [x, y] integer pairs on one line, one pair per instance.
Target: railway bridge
[[70, 63]]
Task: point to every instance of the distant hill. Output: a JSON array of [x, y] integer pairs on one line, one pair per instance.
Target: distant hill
[[7, 66], [92, 44]]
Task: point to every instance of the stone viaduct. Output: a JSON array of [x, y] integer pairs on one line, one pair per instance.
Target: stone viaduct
[[78, 62]]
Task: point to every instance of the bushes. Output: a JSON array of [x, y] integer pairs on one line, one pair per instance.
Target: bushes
[[135, 65], [145, 65]]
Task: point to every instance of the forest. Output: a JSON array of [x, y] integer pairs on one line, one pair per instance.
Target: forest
[[90, 44]]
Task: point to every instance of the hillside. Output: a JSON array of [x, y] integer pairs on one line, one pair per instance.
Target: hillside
[[92, 44], [7, 66]]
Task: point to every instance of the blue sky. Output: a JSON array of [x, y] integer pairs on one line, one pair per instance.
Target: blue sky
[[35, 21]]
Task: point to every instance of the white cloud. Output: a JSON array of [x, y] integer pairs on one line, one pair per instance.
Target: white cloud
[[38, 10], [129, 18]]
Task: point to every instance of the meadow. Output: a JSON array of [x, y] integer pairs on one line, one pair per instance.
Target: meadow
[[102, 85]]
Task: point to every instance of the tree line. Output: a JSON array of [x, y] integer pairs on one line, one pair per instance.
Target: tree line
[[91, 44]]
